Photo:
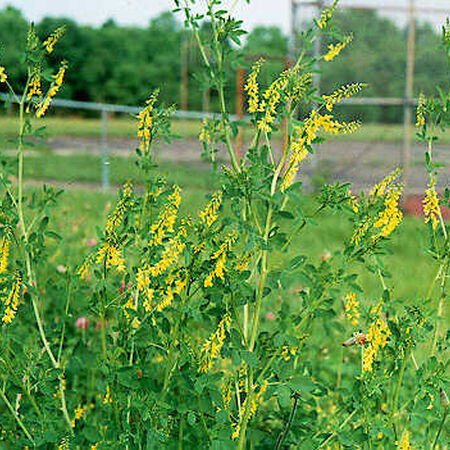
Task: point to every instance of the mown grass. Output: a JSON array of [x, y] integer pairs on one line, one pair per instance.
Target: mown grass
[[125, 127]]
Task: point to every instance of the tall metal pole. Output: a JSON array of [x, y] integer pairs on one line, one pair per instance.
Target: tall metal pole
[[104, 140], [409, 88]]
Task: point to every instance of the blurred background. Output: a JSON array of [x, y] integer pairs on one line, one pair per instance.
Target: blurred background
[[119, 51]]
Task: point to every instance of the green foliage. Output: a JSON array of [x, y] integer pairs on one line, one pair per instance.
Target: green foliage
[[184, 352]]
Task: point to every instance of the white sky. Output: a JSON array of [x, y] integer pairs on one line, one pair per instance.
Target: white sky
[[139, 12]]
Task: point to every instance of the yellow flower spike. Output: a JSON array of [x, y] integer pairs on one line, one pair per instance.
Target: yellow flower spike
[[391, 216], [352, 308], [111, 256], [377, 337], [252, 87], [383, 186], [220, 256], [210, 214], [431, 208], [343, 92], [335, 49], [11, 300], [43, 106], [404, 444], [212, 347], [3, 76], [54, 37], [326, 15], [5, 245], [107, 398], [167, 218], [146, 122], [115, 219], [420, 111]]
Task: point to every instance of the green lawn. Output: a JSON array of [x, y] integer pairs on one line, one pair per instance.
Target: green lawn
[[122, 126]]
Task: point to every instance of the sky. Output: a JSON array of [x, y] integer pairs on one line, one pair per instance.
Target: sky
[[139, 12]]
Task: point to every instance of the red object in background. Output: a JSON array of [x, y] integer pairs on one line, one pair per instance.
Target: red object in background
[[413, 206]]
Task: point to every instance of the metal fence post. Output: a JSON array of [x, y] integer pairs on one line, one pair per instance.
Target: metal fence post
[[104, 139]]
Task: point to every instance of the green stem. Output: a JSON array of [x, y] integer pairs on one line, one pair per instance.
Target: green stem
[[16, 416], [441, 426], [398, 388]]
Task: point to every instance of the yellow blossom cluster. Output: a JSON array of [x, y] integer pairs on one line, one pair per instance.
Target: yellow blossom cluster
[[343, 92], [288, 352], [404, 444], [111, 256], [391, 216], [131, 304], [326, 15], [5, 245], [268, 106], [205, 134], [377, 338], [431, 208], [353, 201], [10, 297], [352, 308], [51, 41], [210, 214], [213, 345], [115, 219], [53, 90], [306, 135], [220, 256], [335, 49], [175, 286], [166, 220], [146, 122], [379, 189], [3, 76], [360, 232], [420, 111], [250, 407], [252, 88], [78, 412], [63, 445], [34, 86], [108, 397]]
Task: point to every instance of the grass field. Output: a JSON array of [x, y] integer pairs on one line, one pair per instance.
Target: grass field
[[125, 127]]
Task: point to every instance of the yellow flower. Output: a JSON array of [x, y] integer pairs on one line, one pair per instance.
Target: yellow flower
[[420, 112], [252, 88], [404, 444], [352, 308], [431, 208], [335, 49], [5, 244], [146, 123], [210, 214], [344, 92], [391, 216], [166, 220], [50, 42], [43, 106], [383, 186], [220, 256], [11, 300], [3, 76], [288, 352], [212, 347], [111, 256], [377, 338], [115, 219], [34, 86], [326, 15], [107, 398]]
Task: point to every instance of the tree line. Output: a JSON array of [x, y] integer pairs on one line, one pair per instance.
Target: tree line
[[123, 64]]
